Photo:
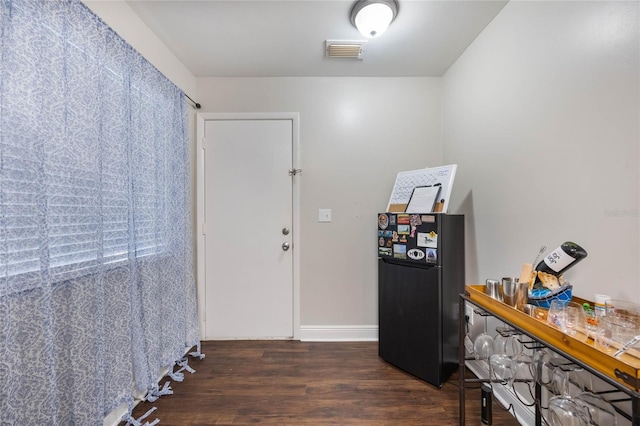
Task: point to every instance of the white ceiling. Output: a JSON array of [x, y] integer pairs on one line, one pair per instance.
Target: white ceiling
[[278, 38]]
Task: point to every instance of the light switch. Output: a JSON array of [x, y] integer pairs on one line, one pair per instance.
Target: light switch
[[324, 215]]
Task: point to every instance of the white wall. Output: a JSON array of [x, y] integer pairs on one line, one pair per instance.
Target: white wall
[[540, 113], [355, 135], [542, 116]]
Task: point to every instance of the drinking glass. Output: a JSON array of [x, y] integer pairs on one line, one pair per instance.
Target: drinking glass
[[599, 411], [523, 376], [557, 313], [566, 411], [621, 307], [507, 343], [616, 330], [499, 343], [625, 327], [568, 317], [542, 368], [502, 369], [591, 323], [513, 347], [563, 409], [483, 345], [603, 339], [576, 321], [538, 361]]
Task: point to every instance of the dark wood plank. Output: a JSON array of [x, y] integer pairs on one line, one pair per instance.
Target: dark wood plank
[[312, 383]]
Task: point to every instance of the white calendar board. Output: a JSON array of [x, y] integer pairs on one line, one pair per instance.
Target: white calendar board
[[406, 181]]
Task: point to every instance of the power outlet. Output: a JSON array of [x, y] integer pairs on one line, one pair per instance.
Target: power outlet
[[469, 313]]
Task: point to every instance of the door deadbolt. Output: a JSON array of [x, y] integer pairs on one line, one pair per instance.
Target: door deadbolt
[[285, 231], [285, 246]]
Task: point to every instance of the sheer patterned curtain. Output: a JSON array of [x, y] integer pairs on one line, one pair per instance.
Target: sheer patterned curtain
[[97, 290]]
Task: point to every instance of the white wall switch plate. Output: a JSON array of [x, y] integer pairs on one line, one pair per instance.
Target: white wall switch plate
[[324, 215]]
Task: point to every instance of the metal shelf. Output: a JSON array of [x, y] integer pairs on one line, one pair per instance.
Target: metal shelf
[[622, 374]]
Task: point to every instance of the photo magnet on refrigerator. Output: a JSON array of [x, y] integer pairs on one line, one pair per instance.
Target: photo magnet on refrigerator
[[403, 219], [399, 251], [382, 251]]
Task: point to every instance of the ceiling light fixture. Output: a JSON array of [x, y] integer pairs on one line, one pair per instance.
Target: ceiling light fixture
[[372, 17]]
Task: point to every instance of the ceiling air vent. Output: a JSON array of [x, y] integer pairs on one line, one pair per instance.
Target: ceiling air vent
[[345, 49]]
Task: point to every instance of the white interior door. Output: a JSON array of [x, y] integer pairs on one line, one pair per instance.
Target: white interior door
[[247, 228]]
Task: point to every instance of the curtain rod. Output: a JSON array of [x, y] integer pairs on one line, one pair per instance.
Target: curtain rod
[[197, 105]]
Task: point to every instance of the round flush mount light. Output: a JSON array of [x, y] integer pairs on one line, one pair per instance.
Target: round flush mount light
[[372, 17]]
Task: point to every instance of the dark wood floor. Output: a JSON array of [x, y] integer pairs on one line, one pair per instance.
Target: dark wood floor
[[292, 383]]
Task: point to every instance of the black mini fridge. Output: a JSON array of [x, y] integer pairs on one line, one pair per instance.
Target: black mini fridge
[[420, 276]]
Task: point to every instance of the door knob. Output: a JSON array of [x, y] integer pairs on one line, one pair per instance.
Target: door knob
[[285, 246], [285, 231]]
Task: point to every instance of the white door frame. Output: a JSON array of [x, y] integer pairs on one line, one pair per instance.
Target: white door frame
[[200, 192]]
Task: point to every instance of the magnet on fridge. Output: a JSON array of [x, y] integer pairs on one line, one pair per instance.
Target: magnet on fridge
[[383, 221], [382, 251], [416, 254], [427, 239], [428, 218], [399, 251]]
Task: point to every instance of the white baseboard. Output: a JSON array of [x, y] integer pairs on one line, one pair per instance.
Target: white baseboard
[[339, 333]]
